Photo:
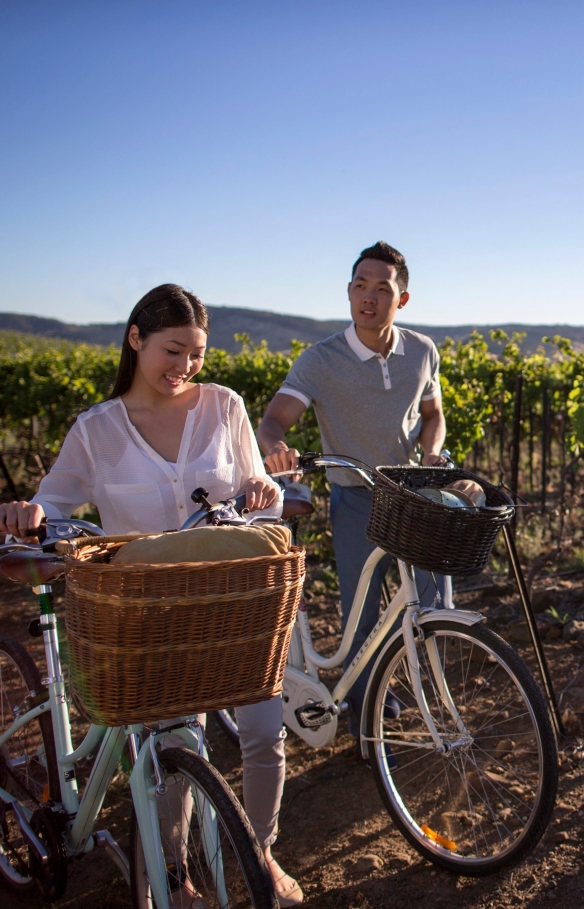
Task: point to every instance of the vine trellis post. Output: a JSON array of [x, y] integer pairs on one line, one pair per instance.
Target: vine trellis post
[[545, 446], [516, 442]]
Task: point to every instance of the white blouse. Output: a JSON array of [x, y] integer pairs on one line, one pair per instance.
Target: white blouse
[[104, 460]]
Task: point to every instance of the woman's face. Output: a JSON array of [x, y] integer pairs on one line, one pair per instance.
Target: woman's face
[[167, 359]]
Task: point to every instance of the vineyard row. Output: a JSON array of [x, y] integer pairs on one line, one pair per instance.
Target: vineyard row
[[515, 417]]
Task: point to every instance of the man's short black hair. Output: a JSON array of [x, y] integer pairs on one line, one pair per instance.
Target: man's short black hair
[[386, 253]]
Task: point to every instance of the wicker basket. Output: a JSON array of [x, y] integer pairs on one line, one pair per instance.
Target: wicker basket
[[149, 643], [428, 534]]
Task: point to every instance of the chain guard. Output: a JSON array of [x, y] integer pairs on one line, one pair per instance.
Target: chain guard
[[51, 879]]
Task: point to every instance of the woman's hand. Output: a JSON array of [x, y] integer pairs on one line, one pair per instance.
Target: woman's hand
[[19, 518], [259, 493]]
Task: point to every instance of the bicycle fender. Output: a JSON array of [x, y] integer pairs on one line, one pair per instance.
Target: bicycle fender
[[425, 617], [144, 799]]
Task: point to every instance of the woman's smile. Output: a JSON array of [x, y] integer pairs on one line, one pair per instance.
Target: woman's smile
[[175, 381]]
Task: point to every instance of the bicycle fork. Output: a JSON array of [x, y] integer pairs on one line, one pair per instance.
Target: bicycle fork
[[412, 630], [147, 786]]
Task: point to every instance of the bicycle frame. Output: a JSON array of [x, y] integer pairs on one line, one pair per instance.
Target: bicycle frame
[[406, 600]]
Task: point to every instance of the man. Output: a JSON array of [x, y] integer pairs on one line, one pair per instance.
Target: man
[[376, 395]]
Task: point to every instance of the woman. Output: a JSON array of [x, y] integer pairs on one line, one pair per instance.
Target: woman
[[138, 456]]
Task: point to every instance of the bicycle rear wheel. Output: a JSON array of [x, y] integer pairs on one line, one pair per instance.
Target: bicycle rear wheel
[[209, 847], [485, 802], [28, 763]]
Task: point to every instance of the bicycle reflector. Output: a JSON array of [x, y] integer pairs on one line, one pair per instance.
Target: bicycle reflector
[[438, 839]]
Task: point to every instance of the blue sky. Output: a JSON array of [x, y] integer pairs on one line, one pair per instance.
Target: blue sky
[[250, 150]]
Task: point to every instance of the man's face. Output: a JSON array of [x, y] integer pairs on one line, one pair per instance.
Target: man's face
[[374, 295]]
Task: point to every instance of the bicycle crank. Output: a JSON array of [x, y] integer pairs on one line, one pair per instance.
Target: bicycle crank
[[308, 708], [50, 876]]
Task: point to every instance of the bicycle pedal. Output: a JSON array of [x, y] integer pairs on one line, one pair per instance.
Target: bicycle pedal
[[313, 714], [176, 876]]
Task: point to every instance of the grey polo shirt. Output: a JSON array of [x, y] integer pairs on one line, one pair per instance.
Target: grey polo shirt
[[367, 406]]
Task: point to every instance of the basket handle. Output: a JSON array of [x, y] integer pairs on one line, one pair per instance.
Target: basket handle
[[70, 546]]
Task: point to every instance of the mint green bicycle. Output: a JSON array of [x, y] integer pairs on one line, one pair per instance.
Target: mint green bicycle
[[191, 845]]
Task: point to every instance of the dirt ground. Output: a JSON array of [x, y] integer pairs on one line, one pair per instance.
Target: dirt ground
[[336, 837]]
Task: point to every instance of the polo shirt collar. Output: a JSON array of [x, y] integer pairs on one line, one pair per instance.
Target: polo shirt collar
[[364, 353]]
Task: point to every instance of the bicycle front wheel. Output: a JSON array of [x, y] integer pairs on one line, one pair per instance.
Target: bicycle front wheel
[[485, 801], [211, 854], [28, 763]]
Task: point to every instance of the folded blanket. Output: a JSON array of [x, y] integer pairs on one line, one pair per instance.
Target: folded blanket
[[207, 544]]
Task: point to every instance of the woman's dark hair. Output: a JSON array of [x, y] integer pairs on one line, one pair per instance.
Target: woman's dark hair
[[167, 306]]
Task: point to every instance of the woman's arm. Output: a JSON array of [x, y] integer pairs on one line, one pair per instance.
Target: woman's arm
[[67, 486], [70, 482]]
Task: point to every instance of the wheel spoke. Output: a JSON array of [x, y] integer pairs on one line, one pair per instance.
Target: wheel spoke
[[24, 771]]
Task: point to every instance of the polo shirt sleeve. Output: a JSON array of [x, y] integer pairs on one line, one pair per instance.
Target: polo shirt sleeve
[[301, 381], [432, 386]]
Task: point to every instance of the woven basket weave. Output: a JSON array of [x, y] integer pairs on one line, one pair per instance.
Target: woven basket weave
[[428, 534], [154, 642]]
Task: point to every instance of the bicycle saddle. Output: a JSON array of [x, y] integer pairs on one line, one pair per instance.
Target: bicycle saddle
[[294, 507], [296, 501], [33, 568]]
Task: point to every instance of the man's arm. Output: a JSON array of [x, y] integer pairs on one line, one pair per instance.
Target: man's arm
[[433, 430], [283, 411]]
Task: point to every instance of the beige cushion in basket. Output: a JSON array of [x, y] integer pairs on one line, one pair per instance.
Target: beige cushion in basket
[[207, 544]]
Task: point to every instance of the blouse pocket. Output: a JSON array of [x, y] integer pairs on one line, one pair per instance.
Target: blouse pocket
[[219, 481], [137, 506]]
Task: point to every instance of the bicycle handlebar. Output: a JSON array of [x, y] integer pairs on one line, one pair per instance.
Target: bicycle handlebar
[[51, 531], [312, 461], [238, 502]]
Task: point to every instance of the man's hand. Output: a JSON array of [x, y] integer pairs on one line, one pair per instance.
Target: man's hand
[[281, 458], [432, 460], [18, 518], [259, 493]]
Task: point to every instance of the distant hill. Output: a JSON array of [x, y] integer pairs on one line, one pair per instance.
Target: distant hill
[[277, 329]]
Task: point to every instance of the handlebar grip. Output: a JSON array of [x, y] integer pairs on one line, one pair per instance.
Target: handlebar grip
[[305, 460], [39, 532]]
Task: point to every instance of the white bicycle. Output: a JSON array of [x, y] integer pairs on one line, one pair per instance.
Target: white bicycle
[[468, 771]]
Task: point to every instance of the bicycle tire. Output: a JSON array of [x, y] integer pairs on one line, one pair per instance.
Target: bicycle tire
[[228, 723], [485, 804], [28, 761], [246, 876]]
